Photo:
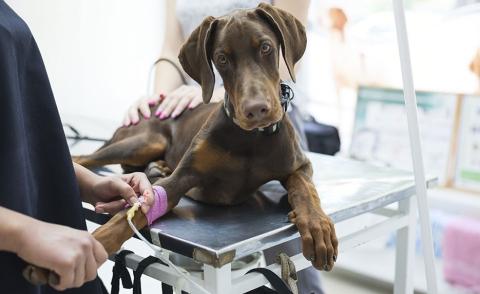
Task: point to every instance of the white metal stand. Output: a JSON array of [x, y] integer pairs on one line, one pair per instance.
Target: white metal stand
[[220, 280], [416, 149]]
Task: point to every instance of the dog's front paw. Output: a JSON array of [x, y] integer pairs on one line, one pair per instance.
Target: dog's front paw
[[157, 170], [319, 241]]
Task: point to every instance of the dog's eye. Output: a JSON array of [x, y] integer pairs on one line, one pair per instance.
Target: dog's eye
[[265, 48], [221, 59]]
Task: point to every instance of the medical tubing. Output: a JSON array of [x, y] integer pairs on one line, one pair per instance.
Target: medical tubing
[[181, 272]]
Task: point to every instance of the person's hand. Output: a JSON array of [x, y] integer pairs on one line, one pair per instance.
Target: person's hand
[[141, 107], [174, 103], [72, 254], [112, 193], [170, 105]]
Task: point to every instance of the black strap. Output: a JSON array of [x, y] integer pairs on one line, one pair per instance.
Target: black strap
[[277, 283], [120, 272], [137, 274]]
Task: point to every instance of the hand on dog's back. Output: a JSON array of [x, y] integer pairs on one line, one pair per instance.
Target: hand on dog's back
[[171, 105]]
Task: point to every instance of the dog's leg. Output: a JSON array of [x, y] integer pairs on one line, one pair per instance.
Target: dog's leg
[[116, 231], [157, 169], [137, 150], [319, 242]]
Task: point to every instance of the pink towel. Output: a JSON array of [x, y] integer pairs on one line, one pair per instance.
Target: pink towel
[[461, 253]]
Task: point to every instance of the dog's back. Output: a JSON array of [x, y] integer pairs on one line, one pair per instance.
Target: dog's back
[[148, 141]]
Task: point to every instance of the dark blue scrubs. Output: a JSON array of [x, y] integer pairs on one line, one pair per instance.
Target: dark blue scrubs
[[36, 172]]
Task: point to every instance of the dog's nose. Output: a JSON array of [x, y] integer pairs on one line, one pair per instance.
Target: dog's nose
[[256, 109]]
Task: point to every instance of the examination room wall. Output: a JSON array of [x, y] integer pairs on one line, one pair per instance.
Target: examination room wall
[[98, 58]]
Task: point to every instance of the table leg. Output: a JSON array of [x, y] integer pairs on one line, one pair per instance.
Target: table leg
[[405, 249], [218, 280], [415, 145]]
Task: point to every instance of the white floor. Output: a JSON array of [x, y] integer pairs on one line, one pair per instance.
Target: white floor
[[337, 283]]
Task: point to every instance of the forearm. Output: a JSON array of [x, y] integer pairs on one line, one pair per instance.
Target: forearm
[[167, 78], [12, 225], [86, 179], [299, 9]]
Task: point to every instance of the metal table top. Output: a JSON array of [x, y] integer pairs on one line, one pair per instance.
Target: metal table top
[[218, 234]]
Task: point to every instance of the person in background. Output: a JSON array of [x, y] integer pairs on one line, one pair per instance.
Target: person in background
[[475, 68], [41, 218], [172, 95]]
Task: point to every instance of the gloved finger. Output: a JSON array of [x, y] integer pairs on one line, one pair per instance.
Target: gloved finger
[[118, 187], [111, 207], [141, 185]]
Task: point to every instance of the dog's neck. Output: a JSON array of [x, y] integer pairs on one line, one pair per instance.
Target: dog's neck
[[286, 95]]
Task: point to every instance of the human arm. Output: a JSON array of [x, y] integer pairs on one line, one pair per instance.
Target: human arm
[[73, 254], [111, 193], [167, 77], [299, 9]]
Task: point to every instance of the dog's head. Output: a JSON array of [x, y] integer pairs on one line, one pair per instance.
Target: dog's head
[[244, 47]]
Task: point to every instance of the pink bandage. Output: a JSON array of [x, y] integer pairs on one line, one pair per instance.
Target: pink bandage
[[159, 206], [461, 257]]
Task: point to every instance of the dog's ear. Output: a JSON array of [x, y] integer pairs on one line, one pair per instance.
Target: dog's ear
[[290, 32], [195, 57]]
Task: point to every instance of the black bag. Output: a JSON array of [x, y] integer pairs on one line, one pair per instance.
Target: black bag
[[321, 138]]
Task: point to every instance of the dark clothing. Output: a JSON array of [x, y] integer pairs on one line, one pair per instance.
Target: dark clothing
[[36, 172]]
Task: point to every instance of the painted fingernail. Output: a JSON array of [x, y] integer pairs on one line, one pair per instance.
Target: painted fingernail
[[146, 116], [151, 103], [158, 113], [164, 116], [335, 258]]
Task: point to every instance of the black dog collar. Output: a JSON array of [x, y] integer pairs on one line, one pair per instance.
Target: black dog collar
[[286, 96]]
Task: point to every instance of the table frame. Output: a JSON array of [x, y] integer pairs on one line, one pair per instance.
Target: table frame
[[401, 220]]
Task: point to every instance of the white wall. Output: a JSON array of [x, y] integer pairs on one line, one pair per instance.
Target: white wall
[[97, 53]]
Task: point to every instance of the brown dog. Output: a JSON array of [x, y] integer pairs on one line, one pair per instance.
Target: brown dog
[[218, 153]]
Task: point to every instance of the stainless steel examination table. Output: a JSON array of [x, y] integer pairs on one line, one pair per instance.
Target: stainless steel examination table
[[216, 236]]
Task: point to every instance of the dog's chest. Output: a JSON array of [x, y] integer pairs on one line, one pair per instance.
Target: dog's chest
[[244, 167]]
